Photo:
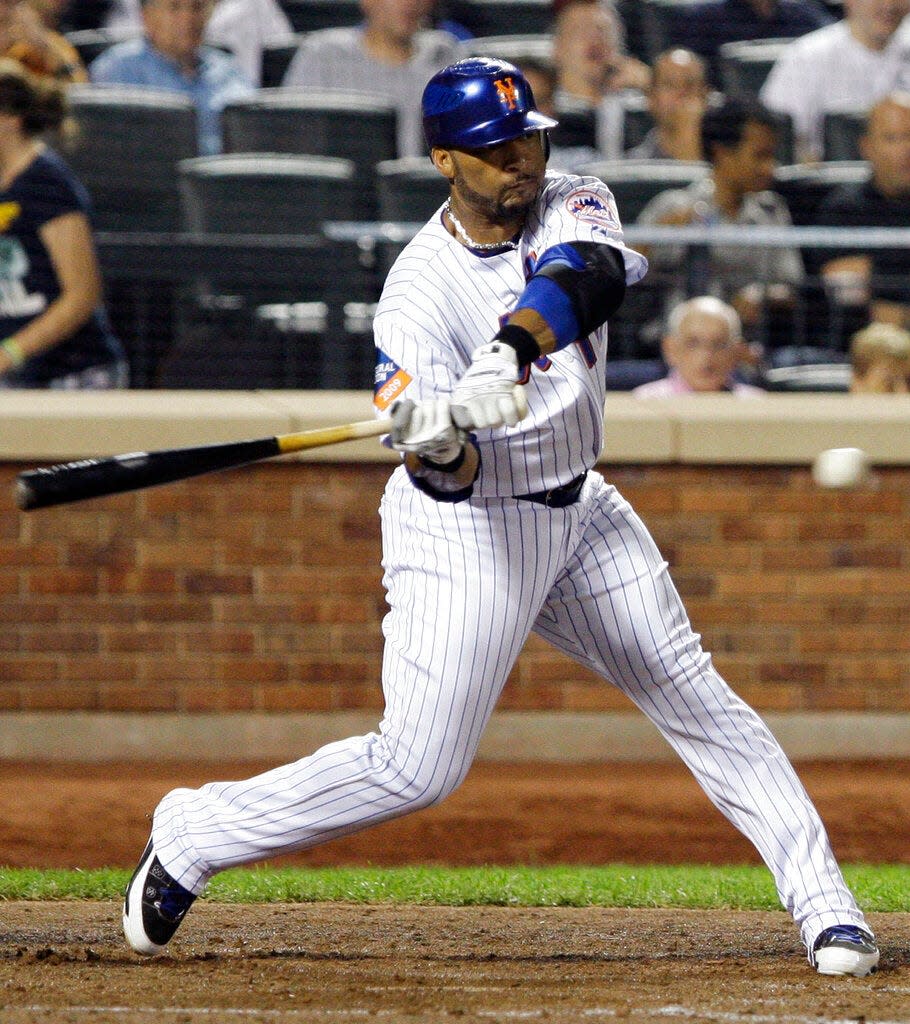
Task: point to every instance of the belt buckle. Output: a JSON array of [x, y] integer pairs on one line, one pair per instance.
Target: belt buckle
[[548, 495]]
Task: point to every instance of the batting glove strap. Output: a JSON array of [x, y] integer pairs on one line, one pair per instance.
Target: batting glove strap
[[524, 343], [485, 395], [438, 482]]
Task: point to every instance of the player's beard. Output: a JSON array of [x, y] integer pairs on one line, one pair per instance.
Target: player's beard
[[500, 210]]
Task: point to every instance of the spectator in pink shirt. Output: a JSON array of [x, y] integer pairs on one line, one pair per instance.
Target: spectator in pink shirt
[[702, 347]]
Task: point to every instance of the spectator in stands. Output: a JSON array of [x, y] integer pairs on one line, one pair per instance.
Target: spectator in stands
[[40, 49], [171, 55], [241, 26], [705, 27], [389, 55], [54, 328], [702, 347], [569, 151], [593, 69], [877, 278], [845, 66], [677, 97], [739, 138], [880, 356]]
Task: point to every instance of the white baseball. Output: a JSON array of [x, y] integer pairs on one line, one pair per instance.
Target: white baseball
[[841, 468]]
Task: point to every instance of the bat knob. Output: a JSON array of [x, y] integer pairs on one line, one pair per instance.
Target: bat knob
[[25, 496]]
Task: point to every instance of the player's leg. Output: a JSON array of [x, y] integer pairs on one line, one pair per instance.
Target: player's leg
[[463, 592], [618, 611]]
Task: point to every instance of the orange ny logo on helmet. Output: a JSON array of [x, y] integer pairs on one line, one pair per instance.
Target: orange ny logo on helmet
[[508, 94]]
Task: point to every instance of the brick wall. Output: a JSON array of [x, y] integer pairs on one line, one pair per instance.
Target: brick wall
[[259, 589]]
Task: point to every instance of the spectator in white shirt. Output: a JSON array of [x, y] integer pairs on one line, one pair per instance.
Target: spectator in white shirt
[[845, 66]]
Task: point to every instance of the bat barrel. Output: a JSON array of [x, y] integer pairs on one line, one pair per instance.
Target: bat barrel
[[94, 478]]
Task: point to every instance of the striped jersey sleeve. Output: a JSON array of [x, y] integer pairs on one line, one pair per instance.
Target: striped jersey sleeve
[[441, 301]]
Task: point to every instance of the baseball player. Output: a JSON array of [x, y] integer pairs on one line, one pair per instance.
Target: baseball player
[[491, 336]]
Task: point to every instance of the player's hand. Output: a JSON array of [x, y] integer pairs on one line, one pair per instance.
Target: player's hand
[[426, 428], [488, 395]]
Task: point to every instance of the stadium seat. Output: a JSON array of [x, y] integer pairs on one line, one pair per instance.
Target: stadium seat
[[226, 337], [657, 25], [276, 58], [514, 48], [626, 374], [265, 193], [805, 185], [410, 189], [830, 376], [311, 15], [126, 151], [636, 118], [744, 66], [318, 338], [354, 126], [634, 183], [841, 132], [502, 17], [90, 43], [577, 127]]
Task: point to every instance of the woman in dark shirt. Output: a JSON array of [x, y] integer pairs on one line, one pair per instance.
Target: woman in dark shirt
[[53, 330]]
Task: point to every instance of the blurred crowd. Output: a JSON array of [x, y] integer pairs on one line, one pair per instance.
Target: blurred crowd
[[723, 112]]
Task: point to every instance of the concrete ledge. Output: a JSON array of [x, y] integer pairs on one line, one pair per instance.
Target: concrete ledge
[[792, 429], [510, 736], [772, 429]]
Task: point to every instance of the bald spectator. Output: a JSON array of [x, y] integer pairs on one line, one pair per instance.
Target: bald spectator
[[390, 55], [880, 356], [171, 56], [702, 347], [845, 66], [877, 277], [593, 69], [705, 27], [677, 98]]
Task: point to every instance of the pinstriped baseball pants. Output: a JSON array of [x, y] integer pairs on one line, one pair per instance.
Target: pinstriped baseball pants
[[466, 585]]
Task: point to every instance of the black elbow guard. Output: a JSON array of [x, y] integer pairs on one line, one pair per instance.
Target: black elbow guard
[[597, 289]]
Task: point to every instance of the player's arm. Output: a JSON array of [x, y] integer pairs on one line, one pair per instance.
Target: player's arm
[[575, 288], [440, 458]]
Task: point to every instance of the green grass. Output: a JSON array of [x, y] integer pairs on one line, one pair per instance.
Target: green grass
[[877, 887]]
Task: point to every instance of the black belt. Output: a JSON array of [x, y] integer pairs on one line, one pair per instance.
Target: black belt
[[557, 497]]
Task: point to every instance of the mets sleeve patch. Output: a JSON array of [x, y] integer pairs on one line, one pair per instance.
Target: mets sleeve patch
[[391, 381], [593, 207]]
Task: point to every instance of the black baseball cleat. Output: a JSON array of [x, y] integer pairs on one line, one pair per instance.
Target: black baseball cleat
[[845, 949], [154, 906]]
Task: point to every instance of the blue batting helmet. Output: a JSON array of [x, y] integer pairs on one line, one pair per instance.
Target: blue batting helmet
[[479, 102]]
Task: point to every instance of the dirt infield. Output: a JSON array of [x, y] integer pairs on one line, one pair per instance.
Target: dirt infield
[[66, 962], [434, 965]]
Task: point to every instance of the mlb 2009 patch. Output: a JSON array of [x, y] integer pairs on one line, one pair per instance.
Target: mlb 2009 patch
[[592, 207], [390, 381]]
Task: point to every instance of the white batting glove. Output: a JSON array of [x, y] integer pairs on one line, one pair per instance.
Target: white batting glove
[[488, 395], [426, 428]]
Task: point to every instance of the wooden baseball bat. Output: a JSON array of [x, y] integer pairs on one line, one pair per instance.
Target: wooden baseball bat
[[94, 478]]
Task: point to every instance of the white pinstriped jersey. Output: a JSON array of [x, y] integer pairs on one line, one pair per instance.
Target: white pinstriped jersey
[[442, 300], [468, 582]]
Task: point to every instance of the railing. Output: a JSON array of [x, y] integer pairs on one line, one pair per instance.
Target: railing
[[307, 299]]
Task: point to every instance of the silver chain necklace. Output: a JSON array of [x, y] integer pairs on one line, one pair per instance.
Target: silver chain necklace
[[469, 242]]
